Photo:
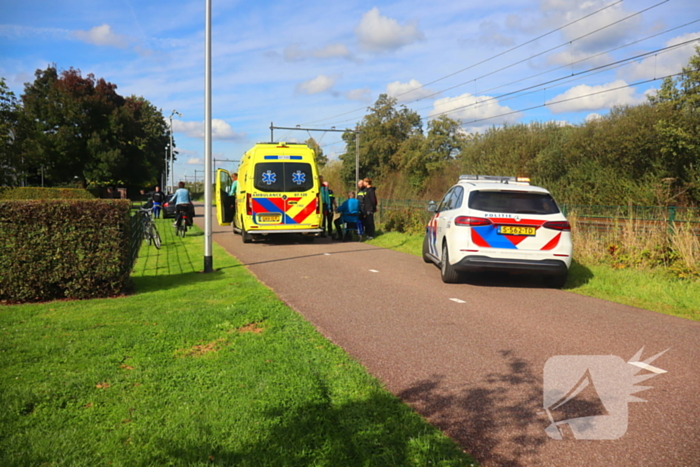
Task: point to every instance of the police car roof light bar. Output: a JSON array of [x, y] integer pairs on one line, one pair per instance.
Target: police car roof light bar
[[495, 179]]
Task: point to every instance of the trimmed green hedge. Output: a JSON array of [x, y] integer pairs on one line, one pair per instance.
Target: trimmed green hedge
[[65, 249], [45, 193]]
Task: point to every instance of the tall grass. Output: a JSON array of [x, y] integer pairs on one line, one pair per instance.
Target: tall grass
[[625, 243]]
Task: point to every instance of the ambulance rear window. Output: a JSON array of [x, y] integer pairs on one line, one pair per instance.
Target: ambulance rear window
[[515, 202], [283, 176]]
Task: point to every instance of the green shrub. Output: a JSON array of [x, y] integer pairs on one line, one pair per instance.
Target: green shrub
[[45, 193], [65, 249], [405, 220]]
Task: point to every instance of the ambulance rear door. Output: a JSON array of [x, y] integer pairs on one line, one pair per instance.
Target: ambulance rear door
[[224, 200]]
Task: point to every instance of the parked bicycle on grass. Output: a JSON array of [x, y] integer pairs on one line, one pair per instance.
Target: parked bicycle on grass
[[150, 232]]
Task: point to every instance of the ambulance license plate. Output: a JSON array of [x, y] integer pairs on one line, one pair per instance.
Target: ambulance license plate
[[269, 218], [516, 230]]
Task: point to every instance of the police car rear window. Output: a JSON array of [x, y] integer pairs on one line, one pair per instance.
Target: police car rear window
[[516, 202], [283, 176]]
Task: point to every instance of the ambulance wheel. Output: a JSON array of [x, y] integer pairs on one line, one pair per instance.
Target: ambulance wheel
[[426, 249], [247, 238], [447, 271]]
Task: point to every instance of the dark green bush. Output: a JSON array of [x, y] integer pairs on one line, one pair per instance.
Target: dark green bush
[[405, 220], [64, 249], [45, 193]]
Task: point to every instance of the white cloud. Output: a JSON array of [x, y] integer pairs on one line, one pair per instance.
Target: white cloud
[[663, 64], [317, 85], [583, 97], [294, 53], [220, 130], [102, 35], [362, 95], [195, 161], [378, 33], [491, 35], [475, 108], [593, 116], [411, 91], [559, 12]]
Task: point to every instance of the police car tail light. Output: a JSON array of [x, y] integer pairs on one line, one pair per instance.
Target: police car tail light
[[557, 225], [249, 204], [468, 221]]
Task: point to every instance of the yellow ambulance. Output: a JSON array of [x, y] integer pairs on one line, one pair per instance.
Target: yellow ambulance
[[277, 193]]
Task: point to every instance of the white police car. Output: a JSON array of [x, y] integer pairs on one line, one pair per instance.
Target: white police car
[[493, 223]]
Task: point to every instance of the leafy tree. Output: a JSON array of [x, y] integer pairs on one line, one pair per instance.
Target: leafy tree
[[321, 160], [678, 131], [382, 132], [9, 146], [79, 128]]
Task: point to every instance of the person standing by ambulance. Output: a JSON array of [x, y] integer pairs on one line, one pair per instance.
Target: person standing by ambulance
[[327, 200], [369, 207]]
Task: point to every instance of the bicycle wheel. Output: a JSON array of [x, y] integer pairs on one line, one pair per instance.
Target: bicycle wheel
[[147, 232], [182, 229], [155, 236]]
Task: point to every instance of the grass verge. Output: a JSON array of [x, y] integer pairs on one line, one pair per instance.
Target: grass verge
[[194, 369], [650, 289]]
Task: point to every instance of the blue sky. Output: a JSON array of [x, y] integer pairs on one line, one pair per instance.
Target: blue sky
[[321, 64]]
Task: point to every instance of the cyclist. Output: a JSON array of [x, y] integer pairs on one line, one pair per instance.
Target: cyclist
[[183, 201], [158, 197]]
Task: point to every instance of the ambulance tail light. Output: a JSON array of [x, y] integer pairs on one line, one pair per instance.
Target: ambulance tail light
[[467, 221], [318, 203], [249, 204], [557, 225]]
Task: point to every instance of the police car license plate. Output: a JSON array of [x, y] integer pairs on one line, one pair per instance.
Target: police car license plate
[[516, 230], [269, 218]]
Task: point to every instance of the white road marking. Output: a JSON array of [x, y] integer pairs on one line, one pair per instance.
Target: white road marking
[[457, 300], [373, 270], [327, 254], [648, 367]]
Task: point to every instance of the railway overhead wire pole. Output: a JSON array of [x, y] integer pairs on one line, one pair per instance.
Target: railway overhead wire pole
[[331, 129]]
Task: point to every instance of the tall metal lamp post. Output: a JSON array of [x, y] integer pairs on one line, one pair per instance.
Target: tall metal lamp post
[[172, 177], [164, 178], [208, 258]]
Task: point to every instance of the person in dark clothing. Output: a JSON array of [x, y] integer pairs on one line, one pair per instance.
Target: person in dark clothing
[[369, 207], [158, 199], [360, 199]]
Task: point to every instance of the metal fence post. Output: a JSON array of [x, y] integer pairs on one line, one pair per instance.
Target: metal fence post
[[671, 219]]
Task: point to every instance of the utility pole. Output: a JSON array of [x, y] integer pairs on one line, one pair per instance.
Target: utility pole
[[172, 179], [331, 129], [164, 178], [208, 256]]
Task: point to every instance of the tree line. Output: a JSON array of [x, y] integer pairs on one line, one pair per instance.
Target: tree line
[[66, 129], [648, 154]]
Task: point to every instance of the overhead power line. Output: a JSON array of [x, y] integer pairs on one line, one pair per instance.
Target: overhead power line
[[486, 60], [537, 87], [532, 56], [638, 83], [590, 57]]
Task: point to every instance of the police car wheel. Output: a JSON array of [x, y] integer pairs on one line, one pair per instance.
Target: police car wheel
[[447, 271], [426, 249], [555, 282]]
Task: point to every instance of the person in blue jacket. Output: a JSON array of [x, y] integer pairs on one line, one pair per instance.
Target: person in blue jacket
[[183, 202], [349, 215]]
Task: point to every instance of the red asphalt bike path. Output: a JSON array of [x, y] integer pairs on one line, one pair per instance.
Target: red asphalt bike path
[[471, 357]]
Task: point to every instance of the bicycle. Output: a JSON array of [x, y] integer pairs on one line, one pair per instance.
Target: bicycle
[[150, 232], [181, 222]]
